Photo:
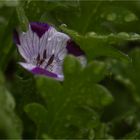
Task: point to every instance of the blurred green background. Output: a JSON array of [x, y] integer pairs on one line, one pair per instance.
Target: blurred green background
[[101, 101]]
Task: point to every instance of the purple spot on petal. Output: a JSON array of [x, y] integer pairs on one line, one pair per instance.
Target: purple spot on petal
[[39, 28], [16, 37], [41, 71], [74, 49]]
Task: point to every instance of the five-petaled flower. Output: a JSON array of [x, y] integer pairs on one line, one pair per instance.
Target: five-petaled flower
[[44, 50]]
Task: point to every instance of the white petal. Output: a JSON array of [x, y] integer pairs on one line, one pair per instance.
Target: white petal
[[42, 45], [27, 66], [23, 53], [29, 39], [57, 43], [61, 55], [35, 46], [57, 69], [23, 48], [44, 39], [60, 77], [29, 44], [60, 41]]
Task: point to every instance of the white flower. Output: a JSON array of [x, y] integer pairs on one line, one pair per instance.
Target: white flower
[[44, 50]]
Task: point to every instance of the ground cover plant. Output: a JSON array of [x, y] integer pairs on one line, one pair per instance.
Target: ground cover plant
[[99, 99]]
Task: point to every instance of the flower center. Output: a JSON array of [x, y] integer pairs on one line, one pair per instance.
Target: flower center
[[49, 63], [40, 60]]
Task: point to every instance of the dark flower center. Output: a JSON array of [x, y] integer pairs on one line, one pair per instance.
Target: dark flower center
[[50, 60], [40, 61]]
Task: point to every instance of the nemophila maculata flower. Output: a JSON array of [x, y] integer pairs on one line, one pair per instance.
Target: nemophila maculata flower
[[44, 49]]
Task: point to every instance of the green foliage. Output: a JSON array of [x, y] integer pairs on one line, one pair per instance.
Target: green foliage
[[98, 101], [75, 98], [10, 124], [100, 45]]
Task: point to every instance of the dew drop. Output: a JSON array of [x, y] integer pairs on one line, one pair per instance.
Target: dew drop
[[111, 17], [130, 17]]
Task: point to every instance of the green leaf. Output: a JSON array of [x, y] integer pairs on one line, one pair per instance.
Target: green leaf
[[24, 90], [128, 74], [2, 80], [100, 45], [98, 101], [97, 69], [102, 132], [10, 124], [6, 42], [38, 114], [75, 14], [7, 99], [71, 67], [43, 10], [133, 135], [67, 102], [22, 18]]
